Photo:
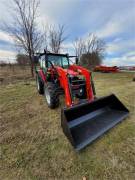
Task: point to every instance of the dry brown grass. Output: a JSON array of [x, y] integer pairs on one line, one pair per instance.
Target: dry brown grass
[[33, 145], [13, 74]]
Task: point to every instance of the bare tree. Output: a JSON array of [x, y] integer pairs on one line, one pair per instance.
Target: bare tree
[[79, 46], [24, 29], [94, 44], [45, 30], [56, 37], [89, 50], [88, 45]]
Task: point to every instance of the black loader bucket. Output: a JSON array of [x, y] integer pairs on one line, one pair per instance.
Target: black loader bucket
[[85, 122]]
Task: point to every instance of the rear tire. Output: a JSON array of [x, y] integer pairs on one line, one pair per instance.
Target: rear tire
[[40, 85], [51, 95]]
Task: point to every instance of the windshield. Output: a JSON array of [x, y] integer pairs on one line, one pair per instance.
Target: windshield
[[59, 60]]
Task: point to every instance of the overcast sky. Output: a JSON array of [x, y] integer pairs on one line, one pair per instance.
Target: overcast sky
[[111, 20]]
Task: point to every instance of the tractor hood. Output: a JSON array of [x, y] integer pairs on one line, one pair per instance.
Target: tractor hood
[[71, 72]]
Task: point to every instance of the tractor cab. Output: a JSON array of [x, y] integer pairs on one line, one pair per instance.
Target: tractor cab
[[58, 60], [48, 60]]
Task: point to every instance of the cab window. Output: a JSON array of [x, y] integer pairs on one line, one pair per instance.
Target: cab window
[[57, 60], [42, 61]]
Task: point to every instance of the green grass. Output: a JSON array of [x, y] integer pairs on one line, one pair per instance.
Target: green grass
[[33, 146]]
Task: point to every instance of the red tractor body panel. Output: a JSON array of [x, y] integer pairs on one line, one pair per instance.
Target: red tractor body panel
[[87, 76], [42, 75], [73, 70], [64, 84]]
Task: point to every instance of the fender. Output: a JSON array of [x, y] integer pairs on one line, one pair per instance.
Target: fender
[[42, 75]]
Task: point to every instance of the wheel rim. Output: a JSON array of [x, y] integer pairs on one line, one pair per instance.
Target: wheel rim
[[47, 95]]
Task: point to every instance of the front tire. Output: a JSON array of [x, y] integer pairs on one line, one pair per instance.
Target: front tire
[[51, 95]]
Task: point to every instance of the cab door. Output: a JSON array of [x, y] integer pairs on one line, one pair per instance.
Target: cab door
[[43, 64]]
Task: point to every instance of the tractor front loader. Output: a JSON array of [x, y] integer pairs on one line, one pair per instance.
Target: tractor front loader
[[85, 117]]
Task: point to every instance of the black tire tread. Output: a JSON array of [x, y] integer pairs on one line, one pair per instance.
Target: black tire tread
[[53, 90], [41, 85]]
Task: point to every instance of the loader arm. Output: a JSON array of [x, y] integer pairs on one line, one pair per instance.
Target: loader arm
[[63, 79], [87, 75]]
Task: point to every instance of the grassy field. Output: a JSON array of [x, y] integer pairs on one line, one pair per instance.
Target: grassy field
[[33, 146]]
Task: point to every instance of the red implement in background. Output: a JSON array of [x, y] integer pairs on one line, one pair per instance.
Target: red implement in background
[[106, 69]]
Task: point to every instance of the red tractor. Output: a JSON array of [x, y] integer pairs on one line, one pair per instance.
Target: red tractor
[[85, 117]]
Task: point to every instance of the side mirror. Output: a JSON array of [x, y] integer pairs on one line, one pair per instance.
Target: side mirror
[[35, 59], [76, 60]]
